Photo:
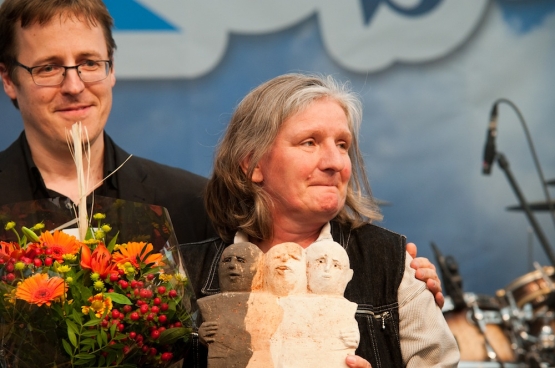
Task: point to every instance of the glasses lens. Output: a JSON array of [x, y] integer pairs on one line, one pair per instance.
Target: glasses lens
[[48, 75], [93, 71]]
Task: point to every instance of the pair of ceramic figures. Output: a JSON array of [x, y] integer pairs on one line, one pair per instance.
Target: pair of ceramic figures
[[281, 309]]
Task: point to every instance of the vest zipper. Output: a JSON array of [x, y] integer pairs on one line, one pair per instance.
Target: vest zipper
[[381, 316]]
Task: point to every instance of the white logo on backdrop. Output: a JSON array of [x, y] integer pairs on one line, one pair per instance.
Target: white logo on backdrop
[[360, 35]]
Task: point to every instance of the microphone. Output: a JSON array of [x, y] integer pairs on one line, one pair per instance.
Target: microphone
[[489, 149]]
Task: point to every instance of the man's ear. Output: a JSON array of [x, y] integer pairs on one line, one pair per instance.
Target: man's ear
[[7, 82], [257, 176]]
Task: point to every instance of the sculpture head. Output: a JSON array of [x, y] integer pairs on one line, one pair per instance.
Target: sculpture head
[[285, 269], [328, 270], [238, 266]]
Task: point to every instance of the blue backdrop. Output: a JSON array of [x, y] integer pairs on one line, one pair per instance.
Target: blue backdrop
[[423, 130]]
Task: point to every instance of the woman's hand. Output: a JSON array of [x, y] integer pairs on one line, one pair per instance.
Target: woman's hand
[[426, 271], [354, 361], [207, 332]]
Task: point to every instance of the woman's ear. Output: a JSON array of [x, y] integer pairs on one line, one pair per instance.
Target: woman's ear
[[257, 176]]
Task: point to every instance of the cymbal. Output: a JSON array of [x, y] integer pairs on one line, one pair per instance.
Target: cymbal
[[534, 206]]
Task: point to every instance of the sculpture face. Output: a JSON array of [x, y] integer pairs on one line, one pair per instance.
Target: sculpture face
[[238, 266], [285, 269], [328, 269]]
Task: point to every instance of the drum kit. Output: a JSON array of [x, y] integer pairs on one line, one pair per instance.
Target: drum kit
[[513, 329]]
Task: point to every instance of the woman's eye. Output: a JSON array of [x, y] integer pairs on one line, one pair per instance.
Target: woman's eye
[[343, 145]]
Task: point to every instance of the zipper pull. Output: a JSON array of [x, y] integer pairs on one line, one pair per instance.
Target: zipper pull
[[383, 316]]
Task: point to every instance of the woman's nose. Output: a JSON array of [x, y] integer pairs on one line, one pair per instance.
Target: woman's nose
[[333, 157]]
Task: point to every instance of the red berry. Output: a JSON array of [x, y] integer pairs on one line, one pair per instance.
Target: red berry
[[145, 348], [156, 301], [144, 293], [10, 267], [48, 261], [104, 323], [167, 356], [150, 277], [164, 307], [153, 351], [134, 316], [162, 329], [127, 308], [150, 317], [161, 289], [10, 277], [177, 324], [172, 293], [115, 314], [155, 334], [114, 277], [155, 309], [162, 318], [144, 308], [132, 335], [126, 349], [121, 327], [48, 251]]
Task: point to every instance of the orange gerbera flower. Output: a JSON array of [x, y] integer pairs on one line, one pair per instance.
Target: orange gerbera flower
[[60, 243], [39, 289], [99, 261], [137, 253], [8, 250]]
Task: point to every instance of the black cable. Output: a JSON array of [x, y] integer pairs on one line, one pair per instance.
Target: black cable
[[534, 156]]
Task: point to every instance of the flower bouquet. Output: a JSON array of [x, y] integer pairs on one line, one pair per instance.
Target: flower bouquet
[[119, 298]]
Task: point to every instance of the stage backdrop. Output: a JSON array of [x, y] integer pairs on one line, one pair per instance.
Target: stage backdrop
[[428, 72]]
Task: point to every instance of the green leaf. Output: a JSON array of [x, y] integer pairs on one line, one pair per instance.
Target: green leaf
[[171, 335], [71, 325], [93, 322], [99, 339], [113, 329], [104, 337], [112, 243], [71, 336], [30, 234], [85, 356], [118, 298], [89, 235], [67, 347], [77, 317], [88, 340], [89, 333]]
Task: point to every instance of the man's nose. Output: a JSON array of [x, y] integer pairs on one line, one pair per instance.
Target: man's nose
[[72, 83]]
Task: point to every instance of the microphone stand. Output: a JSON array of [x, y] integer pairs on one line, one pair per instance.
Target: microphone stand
[[504, 165]]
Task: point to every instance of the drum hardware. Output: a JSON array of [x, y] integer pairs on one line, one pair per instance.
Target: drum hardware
[[481, 332], [477, 315], [531, 310]]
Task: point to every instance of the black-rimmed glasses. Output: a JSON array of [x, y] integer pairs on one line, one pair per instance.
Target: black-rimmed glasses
[[53, 75]]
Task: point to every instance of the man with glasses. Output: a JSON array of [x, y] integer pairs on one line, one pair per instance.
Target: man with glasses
[[56, 64]]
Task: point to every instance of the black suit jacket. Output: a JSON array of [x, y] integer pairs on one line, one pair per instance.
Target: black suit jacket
[[138, 180]]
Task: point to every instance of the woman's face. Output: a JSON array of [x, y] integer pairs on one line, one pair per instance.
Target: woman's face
[[307, 170]]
